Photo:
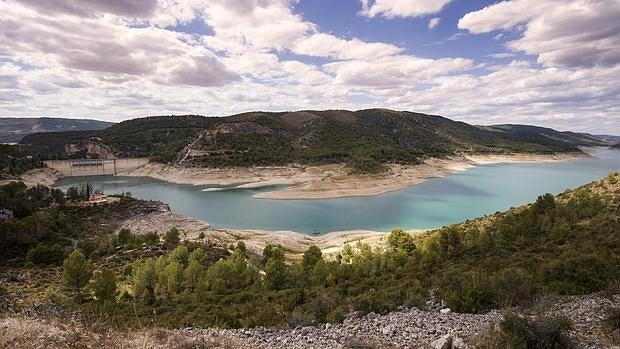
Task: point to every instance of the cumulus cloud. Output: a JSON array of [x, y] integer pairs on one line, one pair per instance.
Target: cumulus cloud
[[103, 46], [433, 22], [122, 59], [203, 71], [128, 8], [574, 33], [519, 92], [393, 72], [257, 23], [401, 8], [326, 45]]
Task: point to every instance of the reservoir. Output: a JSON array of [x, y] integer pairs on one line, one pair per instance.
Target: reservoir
[[434, 203]]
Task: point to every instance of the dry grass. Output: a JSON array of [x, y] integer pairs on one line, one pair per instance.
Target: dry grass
[[19, 331]]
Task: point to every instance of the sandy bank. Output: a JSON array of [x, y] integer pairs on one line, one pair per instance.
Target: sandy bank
[[341, 184], [45, 176], [331, 181], [255, 240]]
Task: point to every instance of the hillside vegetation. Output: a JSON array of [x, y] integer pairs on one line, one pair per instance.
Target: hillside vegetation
[[365, 139], [567, 244], [14, 129], [17, 159]]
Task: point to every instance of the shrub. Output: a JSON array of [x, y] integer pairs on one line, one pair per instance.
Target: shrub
[[467, 292], [612, 324], [517, 332], [311, 257], [124, 236], [172, 237], [366, 164], [577, 274], [44, 254], [104, 286], [400, 240]]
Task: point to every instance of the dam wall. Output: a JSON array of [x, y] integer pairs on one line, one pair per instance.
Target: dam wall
[[95, 167]]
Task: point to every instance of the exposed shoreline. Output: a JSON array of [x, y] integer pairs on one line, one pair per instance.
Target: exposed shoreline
[[310, 182], [334, 180], [294, 243]]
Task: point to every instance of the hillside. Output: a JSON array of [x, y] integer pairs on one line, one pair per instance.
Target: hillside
[[12, 130], [563, 245], [609, 138], [557, 246], [364, 139], [544, 135]]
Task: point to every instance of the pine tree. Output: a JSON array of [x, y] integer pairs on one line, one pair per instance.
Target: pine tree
[[77, 271], [105, 286]]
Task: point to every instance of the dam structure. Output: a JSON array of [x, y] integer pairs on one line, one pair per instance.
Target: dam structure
[[95, 167]]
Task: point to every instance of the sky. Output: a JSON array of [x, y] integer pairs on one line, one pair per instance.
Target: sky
[[553, 63]]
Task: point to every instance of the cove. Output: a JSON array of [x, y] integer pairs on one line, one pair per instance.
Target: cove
[[434, 203]]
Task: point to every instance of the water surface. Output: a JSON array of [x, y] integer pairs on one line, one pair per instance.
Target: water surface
[[434, 203]]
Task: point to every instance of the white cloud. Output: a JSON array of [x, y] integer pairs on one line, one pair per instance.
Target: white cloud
[[128, 8], [100, 45], [205, 70], [573, 33], [433, 22], [326, 45], [520, 93], [109, 62], [393, 72], [502, 55], [401, 8]]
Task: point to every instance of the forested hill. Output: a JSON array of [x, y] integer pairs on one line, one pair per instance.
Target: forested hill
[[14, 129], [365, 139]]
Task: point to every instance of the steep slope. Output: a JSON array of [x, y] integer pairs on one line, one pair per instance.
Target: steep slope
[[14, 129]]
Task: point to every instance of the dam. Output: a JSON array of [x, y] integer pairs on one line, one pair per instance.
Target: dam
[[95, 167]]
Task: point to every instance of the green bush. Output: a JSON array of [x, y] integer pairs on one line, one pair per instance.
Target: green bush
[[366, 164], [44, 254], [543, 332], [520, 332], [124, 236], [172, 237], [578, 274]]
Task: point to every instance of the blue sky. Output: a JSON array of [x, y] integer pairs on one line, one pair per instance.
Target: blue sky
[[552, 63]]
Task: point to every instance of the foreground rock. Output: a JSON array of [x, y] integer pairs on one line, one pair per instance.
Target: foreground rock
[[406, 328], [399, 329], [413, 328]]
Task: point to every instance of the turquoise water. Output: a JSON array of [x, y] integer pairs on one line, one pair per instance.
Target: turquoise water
[[434, 203]]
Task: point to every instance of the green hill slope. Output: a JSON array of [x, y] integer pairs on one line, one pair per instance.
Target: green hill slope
[[365, 139], [567, 244]]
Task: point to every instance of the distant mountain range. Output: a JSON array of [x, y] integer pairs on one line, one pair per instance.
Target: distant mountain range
[[12, 130], [609, 138], [364, 139]]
